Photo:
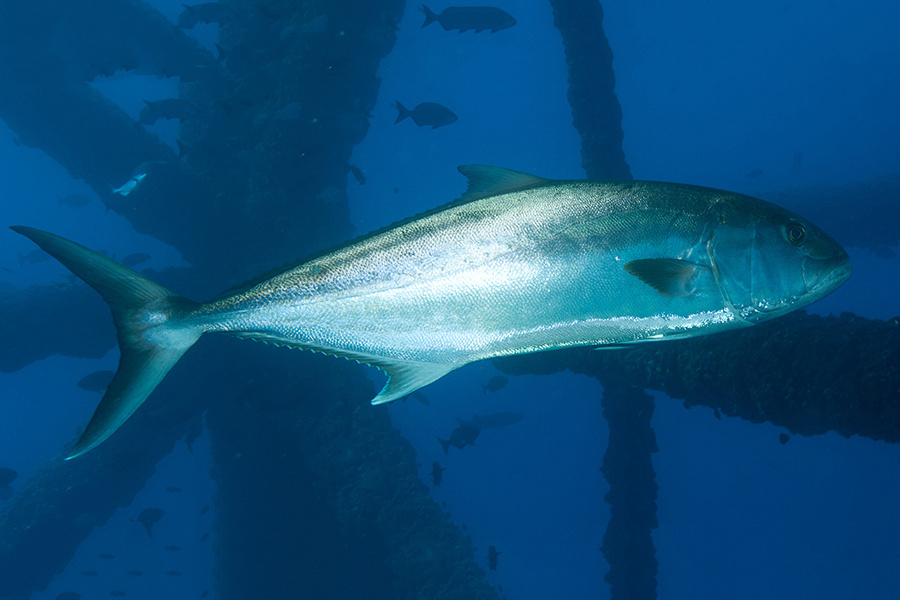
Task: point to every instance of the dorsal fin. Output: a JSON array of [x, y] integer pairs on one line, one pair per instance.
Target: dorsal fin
[[485, 181]]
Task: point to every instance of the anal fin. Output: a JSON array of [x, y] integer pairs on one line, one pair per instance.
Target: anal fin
[[405, 377]]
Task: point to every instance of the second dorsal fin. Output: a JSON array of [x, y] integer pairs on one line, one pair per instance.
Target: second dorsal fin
[[485, 181]]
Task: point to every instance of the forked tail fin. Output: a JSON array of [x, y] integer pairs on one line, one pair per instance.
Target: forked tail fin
[[145, 314], [430, 17]]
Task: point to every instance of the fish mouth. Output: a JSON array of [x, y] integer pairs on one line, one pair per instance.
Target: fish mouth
[[833, 280]]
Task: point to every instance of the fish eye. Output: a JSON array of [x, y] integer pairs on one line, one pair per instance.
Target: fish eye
[[796, 233]]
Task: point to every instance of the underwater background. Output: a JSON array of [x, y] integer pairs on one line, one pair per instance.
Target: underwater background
[[289, 146]]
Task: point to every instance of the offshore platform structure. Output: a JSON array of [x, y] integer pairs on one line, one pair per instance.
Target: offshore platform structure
[[273, 121]]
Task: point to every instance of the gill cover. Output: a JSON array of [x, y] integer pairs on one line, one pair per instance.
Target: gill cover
[[768, 261]]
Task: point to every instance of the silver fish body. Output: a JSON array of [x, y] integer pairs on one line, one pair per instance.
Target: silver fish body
[[519, 264]]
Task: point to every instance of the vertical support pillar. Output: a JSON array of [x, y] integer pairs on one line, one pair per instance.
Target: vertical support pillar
[[628, 467], [596, 113]]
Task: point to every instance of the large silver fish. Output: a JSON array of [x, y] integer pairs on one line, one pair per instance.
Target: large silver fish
[[518, 264]]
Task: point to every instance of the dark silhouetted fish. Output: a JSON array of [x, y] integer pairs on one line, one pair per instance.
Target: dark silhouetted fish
[[173, 489], [204, 510], [97, 381], [117, 593], [149, 517], [422, 398], [783, 438], [492, 558], [462, 436], [170, 108], [495, 420], [68, 596], [436, 471], [417, 395], [754, 173], [173, 548], [75, 200], [204, 594], [90, 573], [357, 174], [495, 383], [464, 18], [426, 114], [204, 537], [134, 573], [208, 12], [7, 476], [135, 259], [468, 431], [174, 573], [106, 556]]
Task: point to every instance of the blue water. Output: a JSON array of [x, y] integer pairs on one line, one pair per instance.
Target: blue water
[[710, 92]]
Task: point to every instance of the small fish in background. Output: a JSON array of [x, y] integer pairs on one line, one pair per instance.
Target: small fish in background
[[797, 162], [357, 174], [135, 259], [494, 384], [208, 12], [134, 573], [783, 438], [168, 109], [68, 596], [754, 173], [173, 489], [204, 594], [75, 200], [468, 431], [150, 517], [97, 381], [106, 556], [492, 558], [117, 593], [173, 548], [436, 473], [90, 573], [30, 258], [417, 395], [7, 476], [426, 114], [464, 18], [174, 573], [130, 185], [462, 436]]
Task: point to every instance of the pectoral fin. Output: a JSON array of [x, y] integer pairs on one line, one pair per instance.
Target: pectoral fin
[[671, 277]]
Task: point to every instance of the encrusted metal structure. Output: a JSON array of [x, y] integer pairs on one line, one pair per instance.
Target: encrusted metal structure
[[274, 117]]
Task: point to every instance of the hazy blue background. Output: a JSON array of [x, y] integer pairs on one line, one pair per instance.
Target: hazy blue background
[[710, 91]]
